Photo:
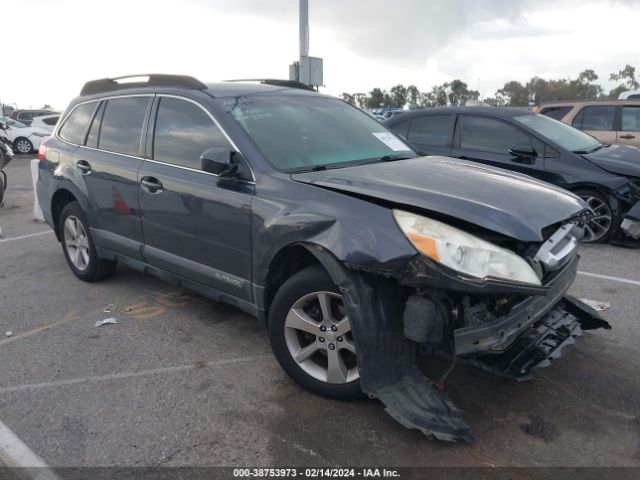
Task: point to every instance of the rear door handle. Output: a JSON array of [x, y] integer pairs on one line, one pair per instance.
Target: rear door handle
[[151, 184], [627, 137], [84, 167]]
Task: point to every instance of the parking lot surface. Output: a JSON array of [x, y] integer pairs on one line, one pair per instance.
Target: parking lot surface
[[181, 380]]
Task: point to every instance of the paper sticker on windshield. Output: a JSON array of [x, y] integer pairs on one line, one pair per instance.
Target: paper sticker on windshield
[[390, 141]]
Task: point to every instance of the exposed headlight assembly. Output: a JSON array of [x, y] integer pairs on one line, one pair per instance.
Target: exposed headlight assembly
[[463, 252]]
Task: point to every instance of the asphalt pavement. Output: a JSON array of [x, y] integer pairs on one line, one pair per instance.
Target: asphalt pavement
[[181, 380]]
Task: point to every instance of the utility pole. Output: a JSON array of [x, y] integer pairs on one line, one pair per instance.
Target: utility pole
[[307, 70]]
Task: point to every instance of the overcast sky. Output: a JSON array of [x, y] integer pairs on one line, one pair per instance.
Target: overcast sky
[[364, 43]]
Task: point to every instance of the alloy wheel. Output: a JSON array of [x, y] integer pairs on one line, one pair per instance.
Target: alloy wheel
[[76, 242], [24, 146], [598, 225], [318, 336]]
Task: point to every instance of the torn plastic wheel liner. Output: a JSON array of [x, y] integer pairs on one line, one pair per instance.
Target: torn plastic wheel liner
[[387, 330], [386, 358]]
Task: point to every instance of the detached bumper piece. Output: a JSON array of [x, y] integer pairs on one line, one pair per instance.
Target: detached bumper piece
[[543, 342], [628, 235]]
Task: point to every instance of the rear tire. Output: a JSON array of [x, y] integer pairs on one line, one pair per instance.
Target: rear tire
[[601, 226], [23, 145], [311, 335], [79, 248]]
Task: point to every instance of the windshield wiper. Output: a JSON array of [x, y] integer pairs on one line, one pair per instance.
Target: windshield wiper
[[391, 158], [586, 152]]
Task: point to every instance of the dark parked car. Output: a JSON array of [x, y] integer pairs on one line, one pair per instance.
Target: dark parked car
[[308, 214], [607, 177]]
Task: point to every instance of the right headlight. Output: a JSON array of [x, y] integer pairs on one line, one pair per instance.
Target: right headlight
[[461, 251]]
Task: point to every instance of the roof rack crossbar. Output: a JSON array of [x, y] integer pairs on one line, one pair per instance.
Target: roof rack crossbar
[[152, 79], [276, 82]]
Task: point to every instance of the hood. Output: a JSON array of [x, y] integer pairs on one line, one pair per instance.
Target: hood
[[617, 159], [508, 203]]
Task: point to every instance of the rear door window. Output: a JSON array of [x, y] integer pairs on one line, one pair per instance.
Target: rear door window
[[183, 132], [430, 130], [50, 121], [489, 135], [76, 124], [557, 113], [631, 119], [122, 124], [596, 117]]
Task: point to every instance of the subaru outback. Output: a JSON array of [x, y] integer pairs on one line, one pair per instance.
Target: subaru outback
[[303, 211]]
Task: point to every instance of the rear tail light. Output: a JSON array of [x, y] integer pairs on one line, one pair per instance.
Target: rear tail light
[[42, 152]]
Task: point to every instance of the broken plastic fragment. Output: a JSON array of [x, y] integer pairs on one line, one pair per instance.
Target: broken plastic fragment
[[8, 334], [597, 305], [106, 321], [108, 308]]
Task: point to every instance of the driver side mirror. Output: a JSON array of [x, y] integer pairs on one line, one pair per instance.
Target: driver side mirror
[[523, 150], [220, 161]]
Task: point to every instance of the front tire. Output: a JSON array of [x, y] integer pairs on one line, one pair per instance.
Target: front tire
[[79, 248], [599, 227], [23, 145], [311, 335]]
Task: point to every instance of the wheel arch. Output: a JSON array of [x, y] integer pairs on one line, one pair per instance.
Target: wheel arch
[[290, 260], [59, 200]]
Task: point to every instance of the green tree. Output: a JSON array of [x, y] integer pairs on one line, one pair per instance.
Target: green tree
[[376, 98], [513, 94], [398, 96], [626, 76], [413, 95], [349, 98]]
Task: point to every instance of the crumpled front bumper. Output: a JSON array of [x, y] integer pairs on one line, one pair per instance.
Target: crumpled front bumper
[[498, 335]]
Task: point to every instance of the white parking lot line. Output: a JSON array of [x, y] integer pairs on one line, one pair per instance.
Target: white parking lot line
[[15, 454], [22, 237], [142, 373], [608, 277]]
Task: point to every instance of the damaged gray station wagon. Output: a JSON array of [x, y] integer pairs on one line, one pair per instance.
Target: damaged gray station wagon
[[354, 252]]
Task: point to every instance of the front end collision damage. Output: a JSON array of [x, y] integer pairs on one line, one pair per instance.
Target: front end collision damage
[[394, 318]]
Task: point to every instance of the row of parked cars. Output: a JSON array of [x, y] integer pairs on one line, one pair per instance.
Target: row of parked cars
[[354, 250], [26, 129]]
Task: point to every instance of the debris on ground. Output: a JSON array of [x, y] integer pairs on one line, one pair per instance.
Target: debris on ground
[[109, 308], [8, 334], [106, 321], [596, 304], [539, 427]]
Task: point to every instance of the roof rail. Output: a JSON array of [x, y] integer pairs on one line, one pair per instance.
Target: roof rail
[[148, 79], [276, 82]]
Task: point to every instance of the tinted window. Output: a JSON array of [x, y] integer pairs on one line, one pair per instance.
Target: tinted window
[[635, 96], [74, 127], [50, 121], [401, 128], [597, 117], [94, 131], [631, 119], [558, 132], [557, 113], [122, 125], [430, 130], [486, 134], [183, 132]]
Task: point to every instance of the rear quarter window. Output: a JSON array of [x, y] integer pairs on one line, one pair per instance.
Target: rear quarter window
[[557, 113], [76, 124]]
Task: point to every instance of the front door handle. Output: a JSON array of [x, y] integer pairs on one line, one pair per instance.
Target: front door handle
[[151, 184], [84, 167], [627, 137]]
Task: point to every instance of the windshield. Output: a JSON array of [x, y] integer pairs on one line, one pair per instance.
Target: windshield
[[564, 135], [304, 132]]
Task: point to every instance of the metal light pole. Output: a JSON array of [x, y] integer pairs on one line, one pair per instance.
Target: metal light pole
[[307, 70]]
